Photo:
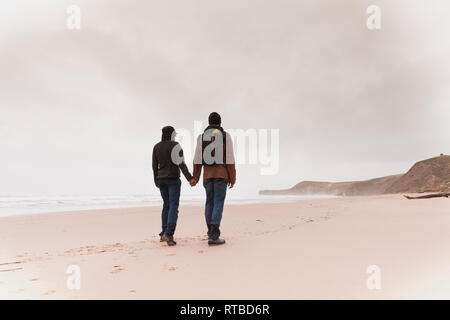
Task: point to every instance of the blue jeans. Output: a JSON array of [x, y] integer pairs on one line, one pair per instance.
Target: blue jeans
[[216, 190], [170, 192]]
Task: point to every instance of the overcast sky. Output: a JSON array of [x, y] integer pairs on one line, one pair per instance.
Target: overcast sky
[[81, 110]]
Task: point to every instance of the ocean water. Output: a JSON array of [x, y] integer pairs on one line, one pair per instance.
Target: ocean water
[[24, 205]]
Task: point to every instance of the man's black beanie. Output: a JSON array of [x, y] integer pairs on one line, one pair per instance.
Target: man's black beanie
[[214, 118]]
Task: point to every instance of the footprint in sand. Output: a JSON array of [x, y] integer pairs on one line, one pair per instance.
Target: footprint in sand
[[34, 279], [13, 269], [48, 293], [200, 251], [132, 291], [117, 269], [170, 254], [172, 268], [9, 263]]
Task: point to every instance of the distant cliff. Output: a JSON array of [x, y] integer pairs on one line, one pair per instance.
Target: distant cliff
[[431, 175]]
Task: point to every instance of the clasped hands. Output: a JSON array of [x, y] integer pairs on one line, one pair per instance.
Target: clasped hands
[[193, 182]]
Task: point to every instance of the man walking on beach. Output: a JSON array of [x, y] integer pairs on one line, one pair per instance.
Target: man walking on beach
[[214, 152], [167, 160]]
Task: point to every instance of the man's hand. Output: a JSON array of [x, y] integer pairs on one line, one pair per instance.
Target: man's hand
[[230, 185], [193, 182]]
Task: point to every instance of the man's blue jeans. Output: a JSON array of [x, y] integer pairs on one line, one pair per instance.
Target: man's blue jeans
[[170, 192], [216, 190]]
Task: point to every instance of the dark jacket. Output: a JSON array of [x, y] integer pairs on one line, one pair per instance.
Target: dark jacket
[[163, 166]]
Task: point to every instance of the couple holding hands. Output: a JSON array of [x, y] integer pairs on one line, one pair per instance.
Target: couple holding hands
[[214, 153]]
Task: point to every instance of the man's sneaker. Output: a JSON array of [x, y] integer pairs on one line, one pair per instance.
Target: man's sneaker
[[216, 242], [169, 240]]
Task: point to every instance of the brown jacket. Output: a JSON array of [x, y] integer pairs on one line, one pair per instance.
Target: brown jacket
[[226, 171]]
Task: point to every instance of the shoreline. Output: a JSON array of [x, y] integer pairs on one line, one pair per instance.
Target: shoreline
[[264, 199], [158, 203]]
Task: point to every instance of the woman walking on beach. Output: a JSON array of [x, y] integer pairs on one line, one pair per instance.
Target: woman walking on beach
[[166, 173]]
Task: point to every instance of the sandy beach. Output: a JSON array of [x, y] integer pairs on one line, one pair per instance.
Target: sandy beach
[[315, 249]]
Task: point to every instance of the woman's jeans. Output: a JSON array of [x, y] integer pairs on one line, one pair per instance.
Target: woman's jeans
[[170, 192]]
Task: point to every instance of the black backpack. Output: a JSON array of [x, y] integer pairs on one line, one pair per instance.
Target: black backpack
[[213, 140]]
